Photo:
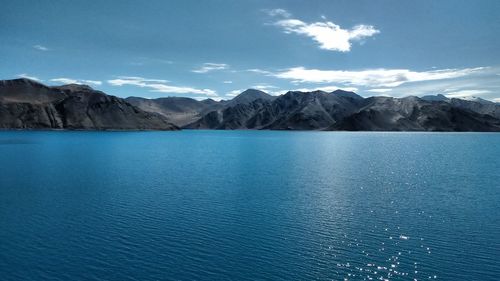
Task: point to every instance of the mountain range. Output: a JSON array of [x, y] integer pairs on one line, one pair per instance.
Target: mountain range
[[27, 104]]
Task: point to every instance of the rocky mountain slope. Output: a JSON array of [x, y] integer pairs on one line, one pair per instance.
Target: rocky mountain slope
[[177, 110], [183, 111], [27, 104], [292, 111], [415, 114], [341, 110]]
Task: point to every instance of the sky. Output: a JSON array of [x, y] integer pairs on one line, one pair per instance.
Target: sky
[[216, 49]]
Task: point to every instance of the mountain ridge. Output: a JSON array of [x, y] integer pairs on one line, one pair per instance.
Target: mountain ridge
[[28, 104]]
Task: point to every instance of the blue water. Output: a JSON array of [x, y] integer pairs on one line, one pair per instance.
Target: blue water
[[249, 205]]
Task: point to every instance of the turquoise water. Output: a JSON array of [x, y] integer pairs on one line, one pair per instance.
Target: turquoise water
[[249, 205]]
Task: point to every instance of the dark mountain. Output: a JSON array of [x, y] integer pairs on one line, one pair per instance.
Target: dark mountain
[[347, 94], [341, 110], [478, 105], [248, 96], [28, 104], [178, 110], [415, 114], [438, 97], [183, 111], [292, 111], [475, 104]]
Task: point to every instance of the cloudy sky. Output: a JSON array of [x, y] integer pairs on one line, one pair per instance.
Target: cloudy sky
[[215, 49]]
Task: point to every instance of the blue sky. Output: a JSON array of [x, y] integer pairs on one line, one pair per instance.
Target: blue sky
[[214, 49]]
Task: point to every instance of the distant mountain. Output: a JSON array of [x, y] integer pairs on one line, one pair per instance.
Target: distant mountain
[[342, 110], [248, 96], [415, 114], [478, 105], [27, 104], [347, 94], [475, 104], [292, 111], [177, 110], [438, 97], [183, 111]]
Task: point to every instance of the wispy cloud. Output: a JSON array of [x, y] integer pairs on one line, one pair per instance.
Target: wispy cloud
[[264, 87], [381, 90], [466, 93], [24, 75], [372, 77], [159, 85], [327, 89], [277, 12], [40, 48], [259, 71], [481, 83], [207, 67], [227, 82], [327, 34], [76, 81]]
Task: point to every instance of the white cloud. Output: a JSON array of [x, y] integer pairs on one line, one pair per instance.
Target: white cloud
[[40, 48], [327, 34], [134, 80], [373, 77], [496, 100], [227, 82], [263, 87], [159, 85], [75, 81], [259, 71], [327, 89], [383, 90], [64, 80], [95, 82], [466, 93], [206, 67], [277, 12], [24, 75]]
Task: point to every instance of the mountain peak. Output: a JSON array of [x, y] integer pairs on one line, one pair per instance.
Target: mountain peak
[[438, 97], [75, 87], [249, 96], [20, 82], [347, 94]]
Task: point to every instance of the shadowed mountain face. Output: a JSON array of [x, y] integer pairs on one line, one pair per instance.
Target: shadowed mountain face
[[177, 110], [292, 111], [475, 104], [26, 104], [341, 110], [248, 96], [184, 111], [415, 114]]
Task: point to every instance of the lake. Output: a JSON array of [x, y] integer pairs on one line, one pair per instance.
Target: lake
[[249, 205]]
